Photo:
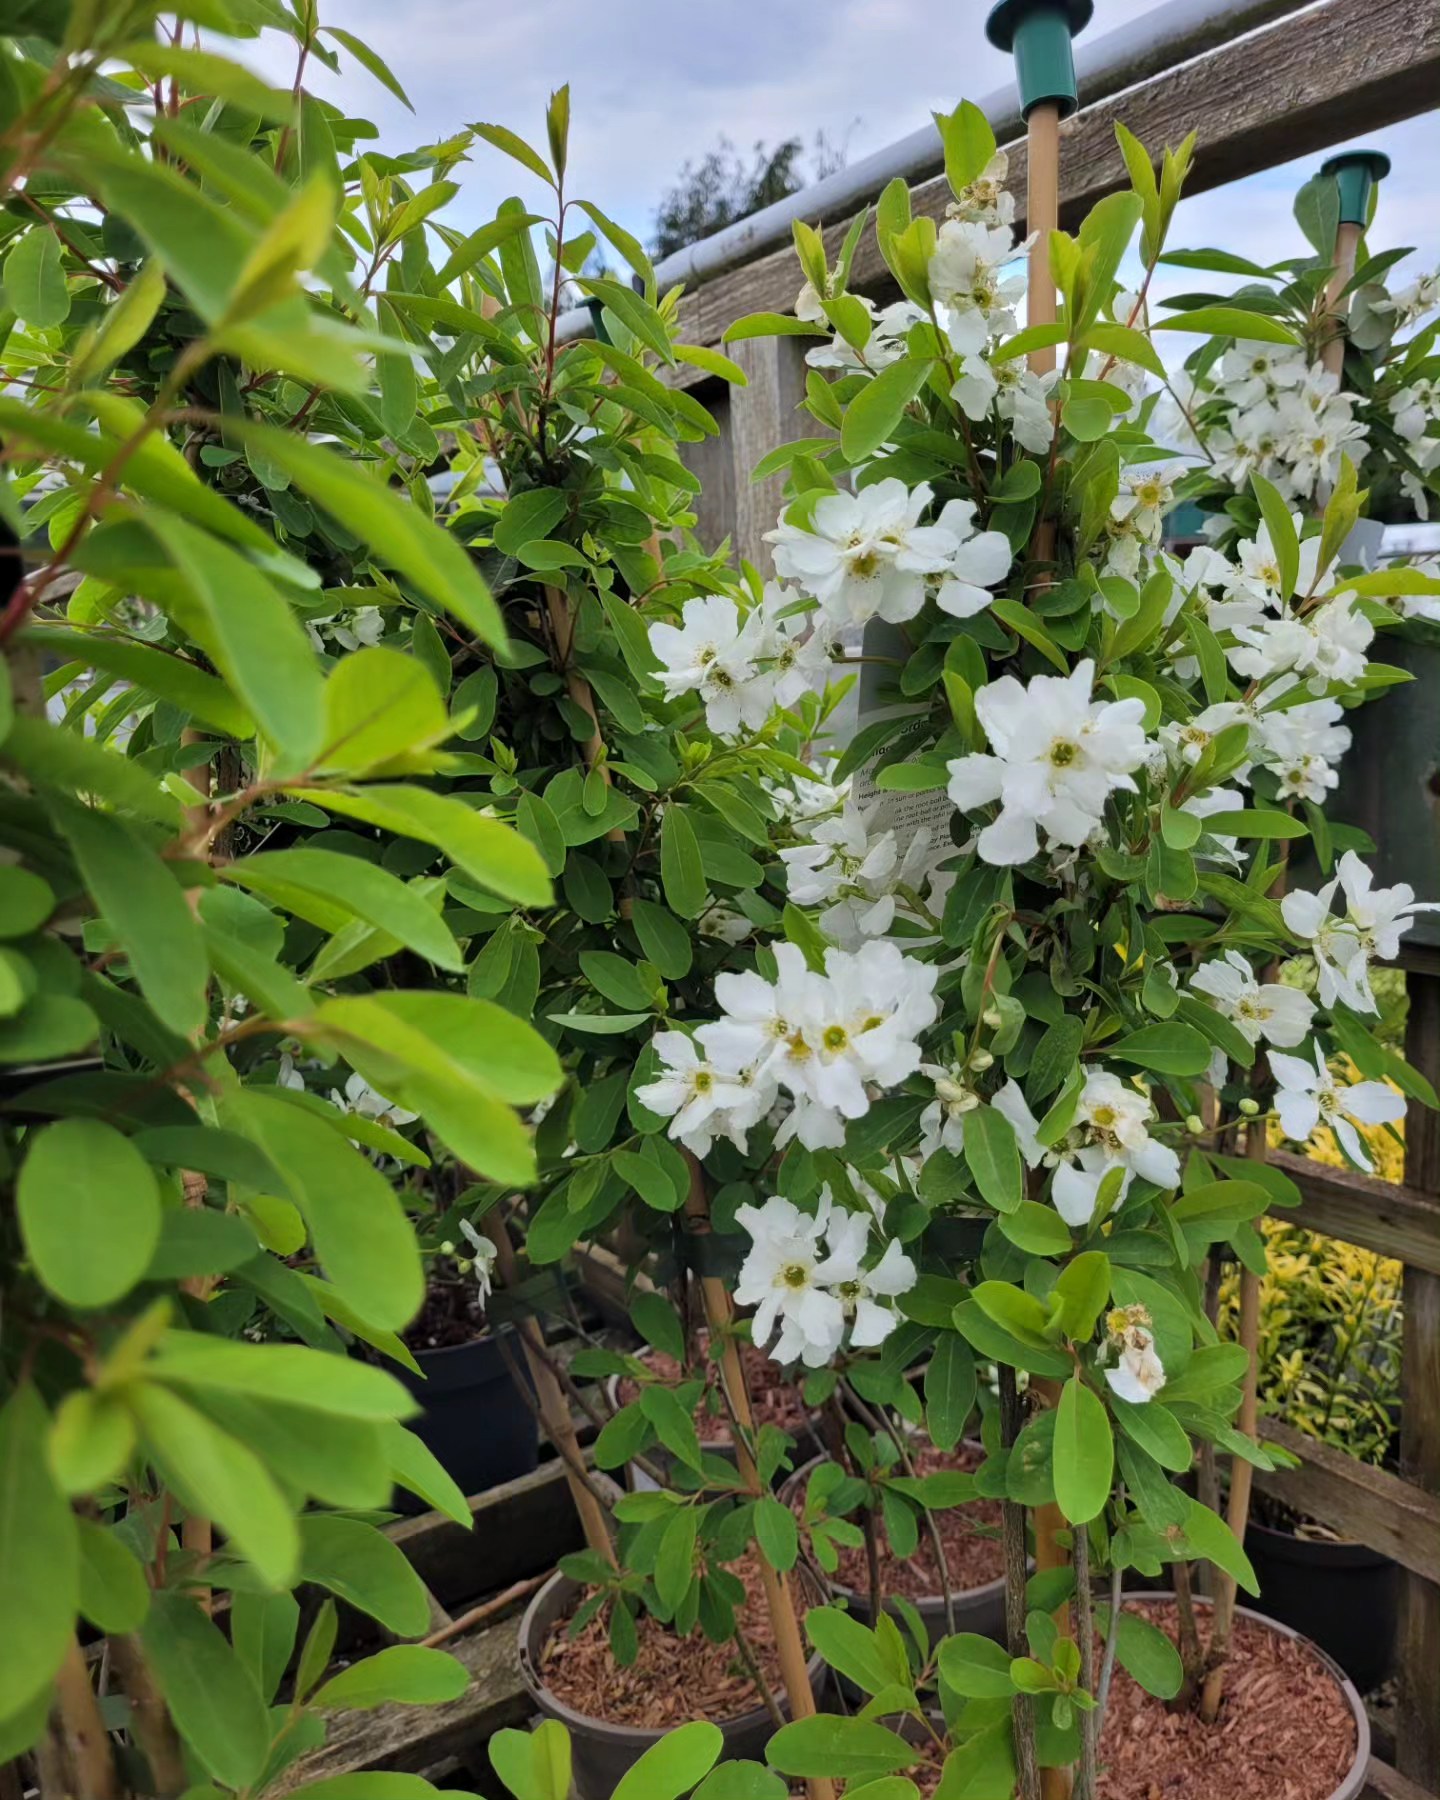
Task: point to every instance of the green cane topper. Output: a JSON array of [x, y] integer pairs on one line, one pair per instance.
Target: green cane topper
[[1356, 172], [1038, 34]]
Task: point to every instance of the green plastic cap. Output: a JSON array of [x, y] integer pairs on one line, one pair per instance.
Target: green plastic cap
[[1356, 172], [1038, 34]]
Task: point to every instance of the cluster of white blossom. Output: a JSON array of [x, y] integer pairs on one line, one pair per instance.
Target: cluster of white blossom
[[866, 555], [810, 1046], [1308, 1095], [856, 874], [807, 1274], [1056, 757], [1344, 944], [743, 664]]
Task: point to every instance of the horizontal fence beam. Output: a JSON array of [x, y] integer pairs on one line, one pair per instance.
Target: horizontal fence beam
[[1366, 1504], [1384, 1216], [1309, 80]]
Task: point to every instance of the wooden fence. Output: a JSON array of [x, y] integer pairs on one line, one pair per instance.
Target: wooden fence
[[1298, 85]]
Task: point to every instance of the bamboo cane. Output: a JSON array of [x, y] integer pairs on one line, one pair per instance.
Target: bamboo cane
[[1337, 301], [779, 1601], [1355, 173]]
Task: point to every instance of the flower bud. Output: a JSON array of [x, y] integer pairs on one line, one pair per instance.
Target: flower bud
[[981, 1059], [448, 1247], [1249, 1108], [1195, 1123], [991, 1017]]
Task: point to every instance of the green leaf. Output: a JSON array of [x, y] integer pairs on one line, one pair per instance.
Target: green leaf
[[674, 1765], [830, 1745], [1146, 1653], [681, 872], [663, 938], [114, 1594], [34, 279], [1156, 1430], [776, 1533], [513, 145], [950, 1386], [1084, 1458], [1169, 1049], [415, 1466], [994, 1158], [361, 1565], [1211, 1537], [1083, 1288], [404, 1674], [976, 1667], [144, 906], [356, 1223], [634, 312], [52, 756], [287, 1374], [249, 632], [1284, 539], [871, 417], [330, 889], [534, 1765], [489, 852], [392, 528], [763, 325], [481, 243], [747, 1781], [367, 59], [263, 1628], [851, 1648], [39, 1556], [673, 1423], [220, 1478], [380, 705], [211, 1695], [1228, 321], [1038, 1229], [969, 144], [159, 672], [1257, 822], [89, 1211]]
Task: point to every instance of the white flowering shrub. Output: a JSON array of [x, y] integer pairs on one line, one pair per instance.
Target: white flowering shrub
[[1008, 1077]]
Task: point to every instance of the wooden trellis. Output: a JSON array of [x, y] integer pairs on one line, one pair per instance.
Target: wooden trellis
[[1298, 85]]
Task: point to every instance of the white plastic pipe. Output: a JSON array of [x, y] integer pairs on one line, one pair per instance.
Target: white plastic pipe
[[1164, 38]]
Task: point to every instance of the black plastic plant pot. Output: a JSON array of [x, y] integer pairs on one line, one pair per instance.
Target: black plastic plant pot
[[1353, 1782], [1343, 1597], [477, 1422], [603, 1753], [978, 1609]]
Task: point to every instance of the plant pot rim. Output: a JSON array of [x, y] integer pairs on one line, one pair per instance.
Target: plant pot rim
[[1352, 1783], [1344, 1551], [440, 1351], [564, 1588], [983, 1590]]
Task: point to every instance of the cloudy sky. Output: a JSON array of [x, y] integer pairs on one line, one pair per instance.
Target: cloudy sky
[[655, 84]]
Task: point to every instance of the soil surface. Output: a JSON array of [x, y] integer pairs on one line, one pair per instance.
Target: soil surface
[[452, 1314], [971, 1558], [1285, 1730], [672, 1680], [774, 1400]]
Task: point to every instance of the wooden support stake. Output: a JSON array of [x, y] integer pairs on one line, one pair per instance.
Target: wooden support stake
[[1337, 301], [554, 1409], [779, 1601], [1042, 216]]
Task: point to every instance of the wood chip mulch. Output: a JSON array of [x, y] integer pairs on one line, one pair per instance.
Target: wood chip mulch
[[971, 1559], [672, 1680], [1285, 1730], [774, 1400]]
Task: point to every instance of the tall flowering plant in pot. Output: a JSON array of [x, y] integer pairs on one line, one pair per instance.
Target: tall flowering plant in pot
[[190, 1241], [1099, 1031]]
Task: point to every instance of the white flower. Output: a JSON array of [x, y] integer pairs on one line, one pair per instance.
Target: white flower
[[1111, 1130], [1413, 407], [1281, 1015], [1145, 496], [1057, 757], [359, 1097], [702, 1098], [351, 631], [1252, 370], [1010, 1100], [981, 559], [942, 1124], [1310, 1095], [714, 652], [1259, 564], [985, 200], [885, 345], [1301, 745], [1412, 302], [861, 1291], [794, 647], [865, 556], [1023, 399], [1375, 920], [482, 1260], [1139, 1375], [1326, 645], [780, 1278], [965, 272], [854, 876]]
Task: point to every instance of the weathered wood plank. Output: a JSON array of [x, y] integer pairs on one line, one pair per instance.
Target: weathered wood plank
[[1395, 1220], [520, 1528], [1304, 83], [1368, 1504], [414, 1737], [1417, 1745], [1384, 1783]]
